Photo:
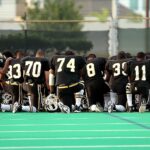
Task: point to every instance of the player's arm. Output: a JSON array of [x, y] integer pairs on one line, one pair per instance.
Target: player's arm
[[107, 73], [5, 68], [52, 81], [47, 79]]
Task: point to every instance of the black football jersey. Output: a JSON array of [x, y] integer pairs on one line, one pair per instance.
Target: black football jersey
[[67, 68], [139, 70], [94, 69], [34, 69], [116, 68], [15, 71]]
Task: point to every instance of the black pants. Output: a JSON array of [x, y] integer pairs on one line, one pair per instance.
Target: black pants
[[66, 95], [95, 91], [34, 91]]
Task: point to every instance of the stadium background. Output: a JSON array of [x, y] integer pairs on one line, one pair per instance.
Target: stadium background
[[81, 130], [21, 30]]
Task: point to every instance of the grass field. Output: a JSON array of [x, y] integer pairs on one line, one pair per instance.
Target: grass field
[[76, 131]]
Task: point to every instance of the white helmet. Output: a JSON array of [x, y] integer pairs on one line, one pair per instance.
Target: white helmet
[[7, 98], [51, 103]]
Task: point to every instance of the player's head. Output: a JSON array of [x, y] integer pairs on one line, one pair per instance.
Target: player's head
[[121, 55], [91, 57], [19, 54], [7, 54], [140, 56], [69, 52], [40, 53]]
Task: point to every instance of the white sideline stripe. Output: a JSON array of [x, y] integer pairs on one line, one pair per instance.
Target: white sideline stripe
[[68, 124], [47, 119], [40, 131], [74, 138], [82, 146]]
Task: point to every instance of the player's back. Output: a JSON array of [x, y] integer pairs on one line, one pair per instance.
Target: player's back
[[116, 69], [34, 68], [94, 69], [15, 71], [67, 68], [139, 70]]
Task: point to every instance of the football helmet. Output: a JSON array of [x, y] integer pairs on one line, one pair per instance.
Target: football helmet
[[7, 98], [51, 103], [120, 108]]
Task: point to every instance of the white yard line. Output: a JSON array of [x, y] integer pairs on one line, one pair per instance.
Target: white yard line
[[7, 119], [68, 124], [73, 138], [43, 131], [76, 147]]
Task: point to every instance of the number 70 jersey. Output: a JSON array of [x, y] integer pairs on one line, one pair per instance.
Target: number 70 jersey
[[139, 70], [34, 69], [67, 68]]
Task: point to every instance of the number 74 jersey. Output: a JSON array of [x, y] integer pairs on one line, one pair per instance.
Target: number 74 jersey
[[67, 68], [139, 70]]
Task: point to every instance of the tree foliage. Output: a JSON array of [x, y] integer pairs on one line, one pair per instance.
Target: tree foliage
[[52, 36], [60, 35]]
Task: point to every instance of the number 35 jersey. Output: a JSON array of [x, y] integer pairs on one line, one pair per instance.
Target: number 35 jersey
[[116, 68], [67, 68], [34, 69], [139, 70]]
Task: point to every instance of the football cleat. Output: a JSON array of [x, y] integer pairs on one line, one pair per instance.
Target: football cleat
[[96, 108], [99, 108], [63, 108], [110, 108], [77, 109], [15, 107], [120, 108], [142, 108]]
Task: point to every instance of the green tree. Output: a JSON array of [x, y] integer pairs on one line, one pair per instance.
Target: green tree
[[59, 35]]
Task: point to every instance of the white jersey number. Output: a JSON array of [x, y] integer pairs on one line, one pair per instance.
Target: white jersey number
[[118, 67], [15, 75], [137, 73], [90, 70], [70, 64], [33, 68]]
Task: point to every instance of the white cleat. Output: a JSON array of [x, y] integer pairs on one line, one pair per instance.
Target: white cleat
[[110, 108], [63, 108], [15, 107], [142, 108]]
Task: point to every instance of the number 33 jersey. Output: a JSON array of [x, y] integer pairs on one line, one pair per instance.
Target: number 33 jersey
[[67, 68], [15, 71]]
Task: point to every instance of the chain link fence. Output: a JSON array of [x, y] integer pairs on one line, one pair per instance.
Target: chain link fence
[[92, 36]]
